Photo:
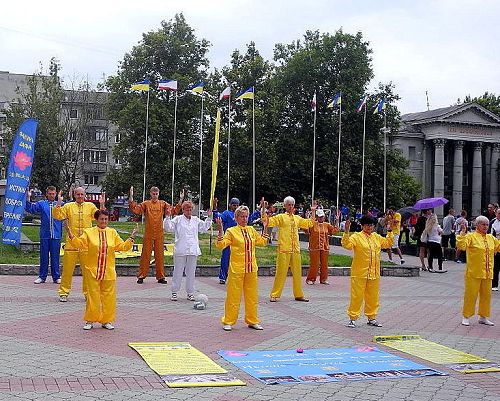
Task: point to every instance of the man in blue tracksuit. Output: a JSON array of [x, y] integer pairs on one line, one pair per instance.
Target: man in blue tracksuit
[[50, 235]]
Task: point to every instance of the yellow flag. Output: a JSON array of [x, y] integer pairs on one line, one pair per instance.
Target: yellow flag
[[215, 159]]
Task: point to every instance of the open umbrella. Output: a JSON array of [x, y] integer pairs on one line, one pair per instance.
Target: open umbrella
[[406, 212], [430, 203]]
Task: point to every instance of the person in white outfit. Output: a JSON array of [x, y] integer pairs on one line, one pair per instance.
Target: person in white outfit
[[186, 246]]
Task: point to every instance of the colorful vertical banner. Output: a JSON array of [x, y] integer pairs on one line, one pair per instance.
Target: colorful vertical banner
[[215, 159], [18, 179]]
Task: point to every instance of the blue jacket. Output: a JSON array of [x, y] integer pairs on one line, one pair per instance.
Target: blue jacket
[[227, 217], [50, 228]]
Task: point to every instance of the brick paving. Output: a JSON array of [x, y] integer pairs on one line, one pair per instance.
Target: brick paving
[[45, 354]]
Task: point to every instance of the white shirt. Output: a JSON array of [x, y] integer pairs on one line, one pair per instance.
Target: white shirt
[[434, 235], [495, 226], [186, 233]]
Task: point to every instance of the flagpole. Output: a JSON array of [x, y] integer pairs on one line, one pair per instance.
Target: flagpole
[[175, 143], [228, 146], [314, 151], [385, 161], [363, 159], [145, 151], [338, 157], [253, 145], [201, 153]]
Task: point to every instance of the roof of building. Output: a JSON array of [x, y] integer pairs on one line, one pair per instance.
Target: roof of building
[[441, 114]]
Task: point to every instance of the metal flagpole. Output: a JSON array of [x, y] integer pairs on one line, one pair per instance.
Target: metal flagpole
[[175, 143], [228, 145], [145, 151], [314, 151], [385, 161], [363, 159], [253, 144], [338, 157], [201, 153]]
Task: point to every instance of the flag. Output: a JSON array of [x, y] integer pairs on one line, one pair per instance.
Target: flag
[[380, 109], [360, 105], [215, 159], [196, 88], [313, 102], [167, 85], [225, 94], [141, 86], [248, 94], [336, 101]]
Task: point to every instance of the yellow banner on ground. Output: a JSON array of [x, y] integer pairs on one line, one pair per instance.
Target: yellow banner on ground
[[437, 353], [135, 252], [181, 365]]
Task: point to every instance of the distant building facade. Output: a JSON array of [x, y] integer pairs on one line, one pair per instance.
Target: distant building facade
[[453, 152]]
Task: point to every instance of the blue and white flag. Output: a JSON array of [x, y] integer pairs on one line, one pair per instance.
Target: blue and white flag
[[18, 180]]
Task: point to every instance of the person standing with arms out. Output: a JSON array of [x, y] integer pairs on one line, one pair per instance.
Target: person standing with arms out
[[393, 221], [78, 215], [227, 218], [154, 210], [480, 248], [495, 231], [186, 246], [448, 236], [365, 269], [50, 235], [288, 253], [432, 235], [319, 248], [242, 274], [101, 242]]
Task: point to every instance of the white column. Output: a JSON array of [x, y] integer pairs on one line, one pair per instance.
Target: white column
[[495, 155], [477, 177], [458, 173], [424, 170], [439, 172]]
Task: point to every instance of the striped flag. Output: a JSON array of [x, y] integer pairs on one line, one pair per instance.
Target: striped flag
[[313, 102], [196, 88], [141, 85], [380, 108], [225, 94], [361, 104], [336, 101], [248, 94], [167, 85]]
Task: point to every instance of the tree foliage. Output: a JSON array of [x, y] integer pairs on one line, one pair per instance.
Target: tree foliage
[[489, 101]]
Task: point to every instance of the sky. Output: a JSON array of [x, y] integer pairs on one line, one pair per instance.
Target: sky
[[447, 48]]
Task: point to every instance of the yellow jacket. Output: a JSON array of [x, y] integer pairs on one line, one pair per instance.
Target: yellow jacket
[[366, 258], [395, 223], [101, 245], [242, 241], [288, 233], [79, 216], [480, 251]]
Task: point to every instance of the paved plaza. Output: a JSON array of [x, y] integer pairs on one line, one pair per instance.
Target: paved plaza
[[45, 354]]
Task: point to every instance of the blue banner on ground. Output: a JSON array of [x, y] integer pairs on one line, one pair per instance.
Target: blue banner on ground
[[325, 365], [18, 179]]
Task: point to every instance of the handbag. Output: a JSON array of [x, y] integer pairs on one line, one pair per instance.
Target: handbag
[[423, 237]]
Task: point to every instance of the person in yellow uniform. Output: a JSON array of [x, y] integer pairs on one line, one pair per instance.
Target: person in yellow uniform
[[78, 215], [480, 248], [288, 254], [365, 269], [242, 274], [101, 243], [393, 222]]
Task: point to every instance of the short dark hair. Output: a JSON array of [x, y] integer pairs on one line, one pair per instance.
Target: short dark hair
[[99, 212], [367, 219], [50, 188]]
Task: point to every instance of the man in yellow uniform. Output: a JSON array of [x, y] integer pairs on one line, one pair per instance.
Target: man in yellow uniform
[[393, 222], [79, 215], [288, 255], [480, 248], [365, 269]]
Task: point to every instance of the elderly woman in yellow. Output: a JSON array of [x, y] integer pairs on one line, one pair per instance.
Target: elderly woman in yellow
[[101, 242], [242, 275], [480, 248], [365, 269]]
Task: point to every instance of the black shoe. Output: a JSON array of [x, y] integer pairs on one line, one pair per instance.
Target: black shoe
[[222, 281], [162, 281], [140, 280]]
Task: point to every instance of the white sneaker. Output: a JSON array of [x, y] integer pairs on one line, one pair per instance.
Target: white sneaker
[[255, 326], [465, 321], [484, 320], [351, 324], [173, 297], [227, 327], [39, 281], [108, 326], [63, 298], [494, 288], [190, 297], [88, 326], [373, 322], [58, 281]]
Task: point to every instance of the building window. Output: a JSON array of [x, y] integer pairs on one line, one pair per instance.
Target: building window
[[117, 161], [101, 134], [72, 136], [73, 114], [411, 153], [117, 137], [91, 179], [95, 156]]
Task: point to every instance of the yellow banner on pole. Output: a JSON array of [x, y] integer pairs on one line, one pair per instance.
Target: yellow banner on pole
[[215, 159]]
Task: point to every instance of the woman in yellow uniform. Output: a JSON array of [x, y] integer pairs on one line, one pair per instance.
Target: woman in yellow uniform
[[101, 242], [480, 248], [242, 275], [365, 269]]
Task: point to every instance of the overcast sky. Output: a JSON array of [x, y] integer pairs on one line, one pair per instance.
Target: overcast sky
[[446, 47]]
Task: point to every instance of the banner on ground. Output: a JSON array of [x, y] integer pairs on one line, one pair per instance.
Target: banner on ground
[[18, 180], [437, 353], [181, 365], [324, 365]]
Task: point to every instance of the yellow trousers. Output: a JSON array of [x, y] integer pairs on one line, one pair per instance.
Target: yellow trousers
[[236, 284], [70, 259], [283, 262], [101, 300], [472, 288], [366, 290]]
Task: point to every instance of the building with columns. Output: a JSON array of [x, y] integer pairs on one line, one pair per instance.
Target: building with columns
[[453, 152]]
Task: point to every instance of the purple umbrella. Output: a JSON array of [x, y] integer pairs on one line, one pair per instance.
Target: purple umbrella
[[430, 203]]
